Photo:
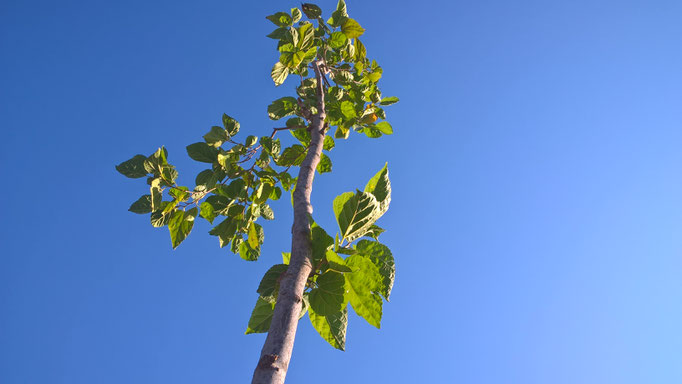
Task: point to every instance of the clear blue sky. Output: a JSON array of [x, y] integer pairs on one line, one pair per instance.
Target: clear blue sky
[[536, 216]]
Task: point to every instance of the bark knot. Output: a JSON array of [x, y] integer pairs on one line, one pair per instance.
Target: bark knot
[[268, 361]]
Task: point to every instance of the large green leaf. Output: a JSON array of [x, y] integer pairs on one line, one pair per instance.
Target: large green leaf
[[331, 327], [266, 212], [256, 235], [202, 152], [348, 109], [279, 73], [261, 316], [216, 136], [278, 34], [269, 284], [293, 155], [355, 213], [338, 16], [362, 287], [337, 40], [231, 125], [384, 127], [142, 205], [291, 59], [380, 186], [282, 107], [180, 225], [328, 143], [327, 297], [133, 168], [336, 262], [352, 29], [382, 257], [320, 242], [225, 231], [312, 11], [301, 134], [306, 33], [325, 164], [280, 19]]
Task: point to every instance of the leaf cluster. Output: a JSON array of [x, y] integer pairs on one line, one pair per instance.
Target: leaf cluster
[[345, 272], [244, 176], [354, 101]]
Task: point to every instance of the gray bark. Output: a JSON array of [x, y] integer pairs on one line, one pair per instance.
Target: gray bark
[[276, 353]]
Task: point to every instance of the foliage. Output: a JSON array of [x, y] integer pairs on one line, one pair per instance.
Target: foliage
[[244, 176]]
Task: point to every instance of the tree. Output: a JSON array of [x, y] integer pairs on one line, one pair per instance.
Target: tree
[[322, 274]]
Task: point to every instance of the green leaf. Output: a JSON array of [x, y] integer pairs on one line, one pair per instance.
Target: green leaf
[[286, 257], [321, 241], [380, 186], [331, 327], [231, 125], [336, 263], [133, 168], [328, 143], [293, 155], [156, 193], [282, 107], [374, 232], [360, 51], [338, 16], [384, 127], [179, 193], [306, 33], [352, 29], [348, 109], [225, 231], [302, 135], [266, 212], [253, 236], [160, 217], [180, 225], [142, 205], [261, 316], [155, 163], [278, 34], [327, 297], [280, 19], [312, 11], [247, 253], [269, 284], [355, 213], [202, 152], [292, 59], [325, 164], [207, 211], [216, 136], [382, 257], [362, 286], [337, 40], [375, 75], [250, 141], [389, 100], [371, 131], [207, 178], [279, 73], [295, 15]]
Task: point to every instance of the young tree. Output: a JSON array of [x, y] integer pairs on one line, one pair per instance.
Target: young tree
[[322, 274]]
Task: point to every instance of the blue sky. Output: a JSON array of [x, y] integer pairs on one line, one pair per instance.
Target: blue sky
[[537, 193]]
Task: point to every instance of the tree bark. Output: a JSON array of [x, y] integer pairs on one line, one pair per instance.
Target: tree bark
[[276, 353]]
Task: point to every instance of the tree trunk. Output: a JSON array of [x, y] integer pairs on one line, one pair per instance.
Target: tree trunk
[[276, 353]]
